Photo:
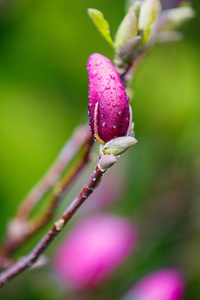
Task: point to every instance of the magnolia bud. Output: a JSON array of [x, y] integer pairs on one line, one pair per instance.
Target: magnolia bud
[[109, 110], [119, 145], [106, 161], [164, 284]]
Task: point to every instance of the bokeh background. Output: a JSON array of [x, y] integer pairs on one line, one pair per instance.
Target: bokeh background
[[44, 47]]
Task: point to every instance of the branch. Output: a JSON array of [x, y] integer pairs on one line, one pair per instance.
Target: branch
[[20, 229], [81, 136], [31, 258]]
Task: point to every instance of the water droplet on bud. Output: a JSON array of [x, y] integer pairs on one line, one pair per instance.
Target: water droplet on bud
[[98, 63], [112, 75], [103, 126], [94, 73], [120, 95]]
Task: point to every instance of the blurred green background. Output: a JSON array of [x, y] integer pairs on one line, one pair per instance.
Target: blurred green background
[[44, 47]]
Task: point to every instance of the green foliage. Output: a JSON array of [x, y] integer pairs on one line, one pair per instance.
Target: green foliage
[[128, 28], [101, 24]]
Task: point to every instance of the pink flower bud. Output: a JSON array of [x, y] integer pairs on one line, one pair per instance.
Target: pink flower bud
[[109, 110], [93, 250], [166, 284]]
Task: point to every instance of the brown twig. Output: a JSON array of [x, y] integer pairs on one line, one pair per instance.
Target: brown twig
[[21, 229], [31, 258], [80, 136]]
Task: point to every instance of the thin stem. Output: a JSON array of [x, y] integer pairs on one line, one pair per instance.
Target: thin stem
[[21, 230], [31, 258], [80, 136], [62, 187]]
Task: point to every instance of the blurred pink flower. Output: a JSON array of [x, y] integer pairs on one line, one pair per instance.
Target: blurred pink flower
[[93, 250], [166, 284]]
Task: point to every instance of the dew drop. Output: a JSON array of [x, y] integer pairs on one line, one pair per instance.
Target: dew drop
[[89, 104], [112, 75], [103, 126], [127, 120], [119, 113], [107, 87], [98, 63], [94, 179], [94, 73], [114, 128], [102, 116], [114, 105], [108, 103], [114, 88], [120, 95]]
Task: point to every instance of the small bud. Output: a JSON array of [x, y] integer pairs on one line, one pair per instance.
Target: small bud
[[106, 161], [109, 110], [59, 224], [148, 15], [119, 145], [128, 27], [130, 50]]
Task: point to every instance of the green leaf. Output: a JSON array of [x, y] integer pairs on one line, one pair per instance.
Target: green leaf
[[101, 24], [128, 28]]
